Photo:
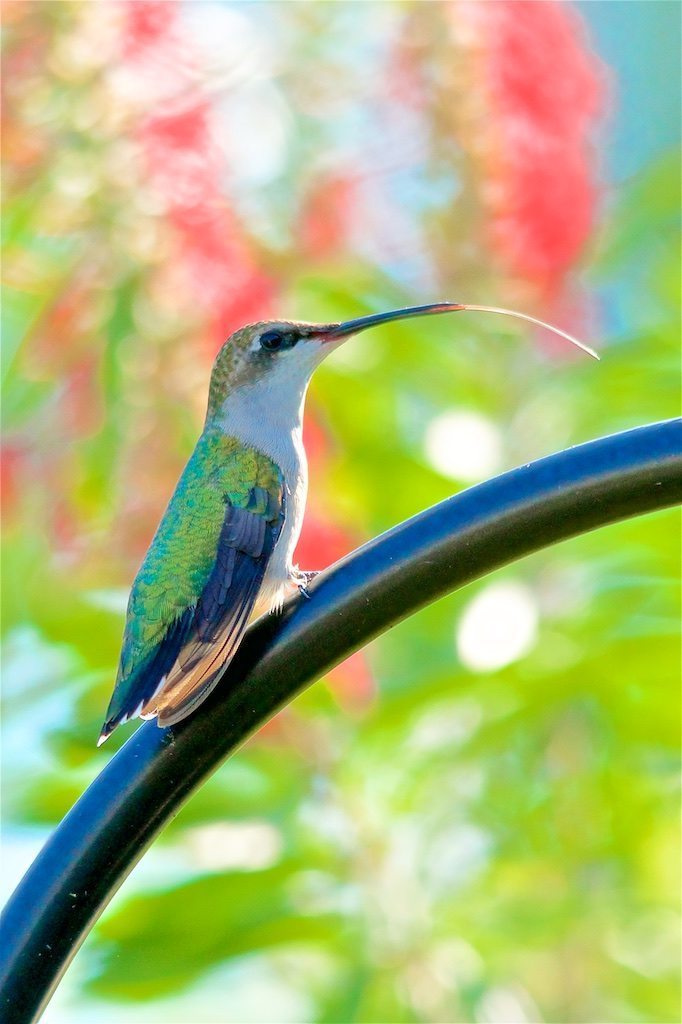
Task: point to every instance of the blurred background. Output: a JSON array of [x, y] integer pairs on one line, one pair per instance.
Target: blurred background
[[475, 819]]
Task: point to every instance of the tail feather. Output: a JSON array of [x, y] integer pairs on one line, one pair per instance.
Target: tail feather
[[132, 693]]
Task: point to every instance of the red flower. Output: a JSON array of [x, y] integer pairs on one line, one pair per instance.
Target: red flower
[[83, 408], [543, 91], [146, 21], [12, 459], [326, 215], [185, 169]]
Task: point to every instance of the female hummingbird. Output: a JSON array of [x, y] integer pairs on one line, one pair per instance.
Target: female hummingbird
[[223, 551]]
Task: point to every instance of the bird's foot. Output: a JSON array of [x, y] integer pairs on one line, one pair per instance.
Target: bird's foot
[[302, 579]]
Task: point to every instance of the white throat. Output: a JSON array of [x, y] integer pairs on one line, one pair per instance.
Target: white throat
[[268, 415]]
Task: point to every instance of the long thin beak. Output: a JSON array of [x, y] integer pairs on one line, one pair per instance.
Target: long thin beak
[[344, 330], [337, 332]]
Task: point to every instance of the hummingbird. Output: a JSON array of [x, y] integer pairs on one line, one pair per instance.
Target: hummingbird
[[223, 551]]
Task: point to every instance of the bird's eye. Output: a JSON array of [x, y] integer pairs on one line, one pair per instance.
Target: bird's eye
[[271, 341]]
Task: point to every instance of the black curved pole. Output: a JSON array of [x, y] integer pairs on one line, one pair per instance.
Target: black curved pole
[[147, 781]]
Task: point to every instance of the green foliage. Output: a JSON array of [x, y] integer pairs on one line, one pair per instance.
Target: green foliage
[[240, 912]]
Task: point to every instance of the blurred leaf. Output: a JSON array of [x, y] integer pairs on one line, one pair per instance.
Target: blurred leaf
[[240, 913]]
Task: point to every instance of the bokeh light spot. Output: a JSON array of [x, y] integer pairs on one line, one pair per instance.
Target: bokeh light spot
[[463, 445], [498, 627]]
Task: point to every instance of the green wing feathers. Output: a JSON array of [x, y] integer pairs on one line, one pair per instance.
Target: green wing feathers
[[200, 577]]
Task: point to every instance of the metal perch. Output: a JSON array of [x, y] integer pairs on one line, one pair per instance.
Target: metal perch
[[144, 785]]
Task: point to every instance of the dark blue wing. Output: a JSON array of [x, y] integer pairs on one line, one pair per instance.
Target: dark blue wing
[[197, 647]]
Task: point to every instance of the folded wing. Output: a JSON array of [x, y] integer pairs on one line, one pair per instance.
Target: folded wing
[[198, 585]]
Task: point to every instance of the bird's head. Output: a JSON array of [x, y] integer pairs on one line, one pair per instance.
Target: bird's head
[[284, 353]]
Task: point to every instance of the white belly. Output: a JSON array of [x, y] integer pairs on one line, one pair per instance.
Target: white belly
[[272, 423], [277, 583]]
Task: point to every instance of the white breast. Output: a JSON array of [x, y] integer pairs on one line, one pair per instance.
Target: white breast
[[272, 423], [279, 569]]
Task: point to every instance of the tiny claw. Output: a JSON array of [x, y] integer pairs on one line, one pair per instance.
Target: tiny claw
[[302, 579]]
